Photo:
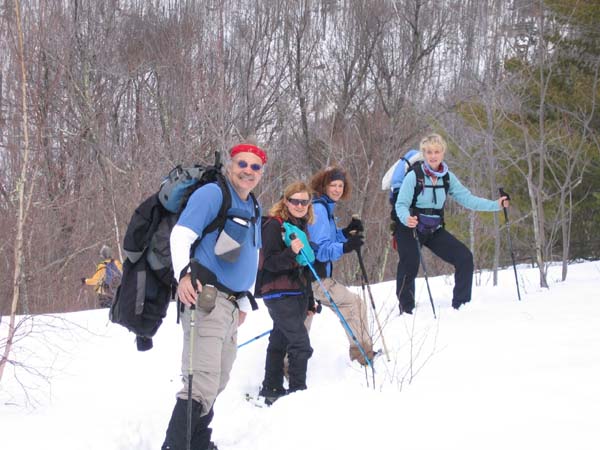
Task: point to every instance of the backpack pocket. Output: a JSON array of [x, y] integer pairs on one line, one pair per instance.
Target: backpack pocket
[[236, 232]]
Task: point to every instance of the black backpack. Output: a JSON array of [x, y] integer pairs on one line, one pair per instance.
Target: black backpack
[[264, 220], [147, 283]]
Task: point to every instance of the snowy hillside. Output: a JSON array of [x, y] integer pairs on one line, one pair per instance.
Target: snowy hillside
[[498, 374]]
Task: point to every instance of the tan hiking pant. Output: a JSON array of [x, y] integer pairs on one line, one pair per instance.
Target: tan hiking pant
[[215, 348], [352, 308]]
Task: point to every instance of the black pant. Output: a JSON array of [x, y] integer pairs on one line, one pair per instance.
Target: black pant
[[176, 438], [442, 244], [289, 336]]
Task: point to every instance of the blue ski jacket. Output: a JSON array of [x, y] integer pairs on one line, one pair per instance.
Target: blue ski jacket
[[325, 234]]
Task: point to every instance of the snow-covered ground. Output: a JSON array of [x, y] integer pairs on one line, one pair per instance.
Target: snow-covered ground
[[498, 374]]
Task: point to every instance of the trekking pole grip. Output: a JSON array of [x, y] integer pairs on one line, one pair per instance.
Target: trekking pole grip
[[503, 193]]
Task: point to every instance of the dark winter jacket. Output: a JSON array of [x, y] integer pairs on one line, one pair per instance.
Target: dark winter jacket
[[280, 273]]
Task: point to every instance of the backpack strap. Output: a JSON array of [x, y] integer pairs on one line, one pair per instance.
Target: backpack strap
[[446, 179], [420, 185], [320, 201], [321, 266], [218, 222]]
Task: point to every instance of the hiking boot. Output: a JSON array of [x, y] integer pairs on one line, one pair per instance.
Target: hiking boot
[[356, 355], [272, 395], [405, 310], [456, 304]]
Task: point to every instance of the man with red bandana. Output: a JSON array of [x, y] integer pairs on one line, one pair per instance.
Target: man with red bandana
[[232, 272]]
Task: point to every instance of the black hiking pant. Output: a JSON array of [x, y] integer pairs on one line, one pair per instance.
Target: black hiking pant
[[442, 244], [289, 336]]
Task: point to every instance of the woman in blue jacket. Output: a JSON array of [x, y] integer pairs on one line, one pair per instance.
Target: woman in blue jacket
[[419, 208], [331, 185]]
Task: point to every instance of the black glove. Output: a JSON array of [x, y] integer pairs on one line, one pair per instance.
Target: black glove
[[354, 225], [195, 270], [314, 307], [354, 242], [503, 193], [83, 280], [318, 308]]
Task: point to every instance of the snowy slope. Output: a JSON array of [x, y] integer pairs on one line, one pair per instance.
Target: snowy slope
[[498, 374]]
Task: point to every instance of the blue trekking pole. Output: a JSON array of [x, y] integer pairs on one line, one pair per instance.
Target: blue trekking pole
[[337, 311], [255, 338]]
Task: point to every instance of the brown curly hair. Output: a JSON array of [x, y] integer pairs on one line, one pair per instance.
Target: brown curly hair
[[280, 210], [322, 178]]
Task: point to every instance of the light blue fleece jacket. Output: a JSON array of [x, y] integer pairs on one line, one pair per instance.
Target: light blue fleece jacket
[[325, 234], [425, 199]]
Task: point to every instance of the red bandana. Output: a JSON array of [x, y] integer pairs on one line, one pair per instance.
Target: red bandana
[[249, 148]]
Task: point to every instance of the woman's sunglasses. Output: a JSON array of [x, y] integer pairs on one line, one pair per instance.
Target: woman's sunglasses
[[298, 201], [243, 164]]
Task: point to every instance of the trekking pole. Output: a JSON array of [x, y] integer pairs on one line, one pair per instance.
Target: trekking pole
[[366, 281], [190, 377], [424, 271], [195, 276], [337, 311], [255, 338], [510, 247]]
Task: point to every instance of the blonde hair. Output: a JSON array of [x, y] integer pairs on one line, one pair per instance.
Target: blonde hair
[[280, 210], [433, 140]]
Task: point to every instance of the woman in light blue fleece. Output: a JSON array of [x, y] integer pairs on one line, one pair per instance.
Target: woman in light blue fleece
[[420, 211]]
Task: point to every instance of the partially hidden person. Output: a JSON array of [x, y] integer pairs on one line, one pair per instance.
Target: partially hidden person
[[106, 278]]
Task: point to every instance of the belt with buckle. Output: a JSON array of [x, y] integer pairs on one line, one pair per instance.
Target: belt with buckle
[[232, 298]]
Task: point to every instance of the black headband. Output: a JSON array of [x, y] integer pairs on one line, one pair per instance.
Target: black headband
[[336, 174]]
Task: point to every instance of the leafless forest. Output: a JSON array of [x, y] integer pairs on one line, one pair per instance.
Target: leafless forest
[[100, 99]]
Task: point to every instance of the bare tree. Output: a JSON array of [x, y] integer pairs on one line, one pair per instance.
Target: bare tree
[[24, 198]]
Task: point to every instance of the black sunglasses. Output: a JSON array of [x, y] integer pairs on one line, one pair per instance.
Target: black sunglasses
[[243, 164], [298, 201]]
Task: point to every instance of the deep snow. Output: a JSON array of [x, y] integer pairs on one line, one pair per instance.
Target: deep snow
[[498, 374]]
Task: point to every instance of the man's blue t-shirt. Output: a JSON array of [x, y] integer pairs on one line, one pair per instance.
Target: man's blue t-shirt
[[202, 208]]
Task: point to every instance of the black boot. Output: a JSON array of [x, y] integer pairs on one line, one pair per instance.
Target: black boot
[[271, 395], [176, 438]]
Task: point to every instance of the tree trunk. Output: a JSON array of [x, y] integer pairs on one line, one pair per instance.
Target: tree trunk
[[23, 200]]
